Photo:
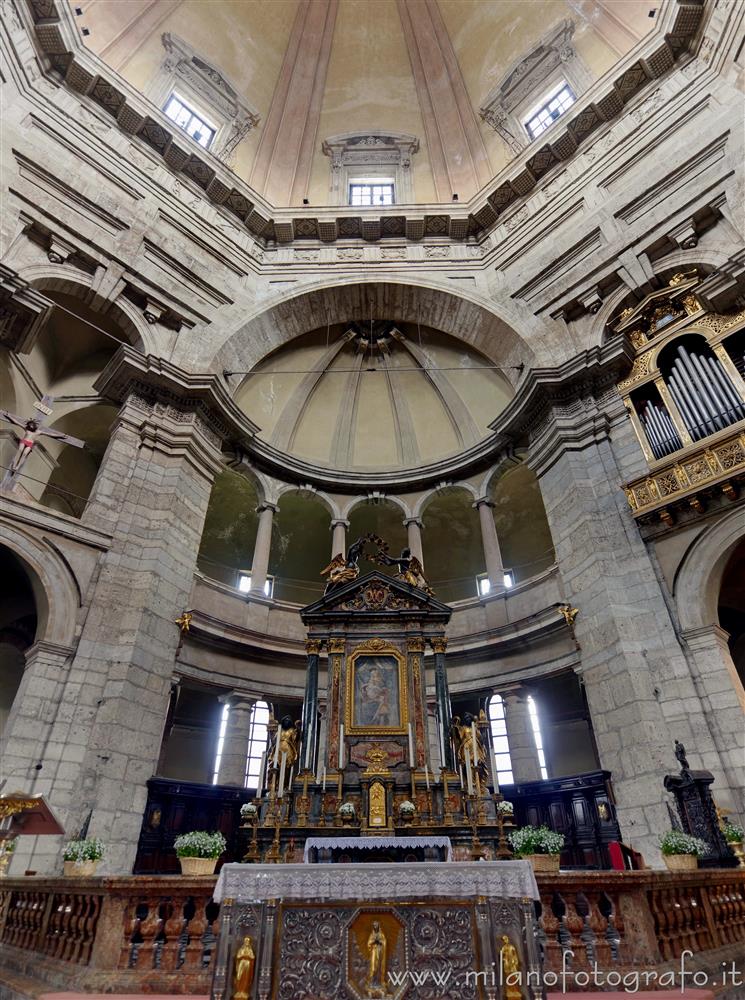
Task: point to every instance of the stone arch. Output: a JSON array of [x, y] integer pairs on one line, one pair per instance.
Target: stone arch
[[55, 590], [698, 580], [360, 501], [470, 317], [437, 491], [323, 498], [451, 540], [496, 471]]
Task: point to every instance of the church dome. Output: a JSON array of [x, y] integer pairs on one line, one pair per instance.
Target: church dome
[[374, 396]]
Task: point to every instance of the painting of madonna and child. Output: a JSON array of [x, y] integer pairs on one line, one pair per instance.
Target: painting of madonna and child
[[377, 700]]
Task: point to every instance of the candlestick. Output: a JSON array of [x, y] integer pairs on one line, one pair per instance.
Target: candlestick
[[469, 776], [494, 768], [289, 783], [276, 748], [262, 775], [474, 741], [341, 747], [324, 778], [282, 775], [411, 747], [426, 775]]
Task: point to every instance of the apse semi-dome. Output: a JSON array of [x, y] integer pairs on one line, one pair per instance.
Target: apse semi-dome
[[374, 396]]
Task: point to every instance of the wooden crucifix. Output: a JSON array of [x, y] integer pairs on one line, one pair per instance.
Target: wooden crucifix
[[33, 428]]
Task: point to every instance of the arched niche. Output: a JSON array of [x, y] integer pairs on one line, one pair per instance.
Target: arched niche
[[451, 542], [18, 626], [301, 546], [229, 534], [382, 517], [522, 526], [731, 608]]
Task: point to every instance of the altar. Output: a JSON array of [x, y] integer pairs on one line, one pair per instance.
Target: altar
[[359, 931], [333, 850]]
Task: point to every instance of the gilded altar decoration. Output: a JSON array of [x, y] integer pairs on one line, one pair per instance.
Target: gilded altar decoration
[[243, 973], [376, 689], [184, 621], [11, 805], [410, 570], [439, 644], [376, 813], [377, 946], [568, 613], [377, 762], [313, 646], [509, 963], [343, 569], [469, 745]]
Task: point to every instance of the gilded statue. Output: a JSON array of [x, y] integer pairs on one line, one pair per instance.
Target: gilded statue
[[377, 947], [510, 966], [410, 570], [243, 971], [344, 569], [288, 734], [462, 735]]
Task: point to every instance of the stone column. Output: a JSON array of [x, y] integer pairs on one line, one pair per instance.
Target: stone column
[[523, 751], [309, 723], [442, 694], [235, 745], [151, 494], [339, 537], [262, 548], [414, 537], [490, 542]]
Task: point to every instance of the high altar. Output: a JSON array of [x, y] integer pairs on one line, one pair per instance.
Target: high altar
[[322, 907]]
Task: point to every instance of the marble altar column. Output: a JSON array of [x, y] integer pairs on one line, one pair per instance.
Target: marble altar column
[[237, 733], [339, 536], [490, 543], [309, 724], [262, 548], [442, 693], [523, 751], [414, 537]]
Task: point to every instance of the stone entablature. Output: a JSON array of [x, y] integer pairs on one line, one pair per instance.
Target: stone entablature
[[87, 75]]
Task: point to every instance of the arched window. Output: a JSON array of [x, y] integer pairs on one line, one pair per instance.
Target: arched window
[[535, 723], [499, 740], [257, 737]]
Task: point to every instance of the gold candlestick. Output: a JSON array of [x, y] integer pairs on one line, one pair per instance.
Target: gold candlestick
[[447, 812]]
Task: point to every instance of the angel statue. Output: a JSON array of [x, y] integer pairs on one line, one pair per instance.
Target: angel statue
[[410, 570], [344, 569], [462, 735]]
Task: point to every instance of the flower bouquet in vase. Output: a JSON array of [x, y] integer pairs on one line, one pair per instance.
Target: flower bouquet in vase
[[198, 851], [539, 845]]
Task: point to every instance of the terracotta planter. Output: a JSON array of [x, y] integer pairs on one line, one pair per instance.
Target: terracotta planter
[[198, 866], [79, 869], [544, 864], [681, 862]]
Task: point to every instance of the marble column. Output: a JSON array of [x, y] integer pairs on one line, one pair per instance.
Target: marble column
[[490, 543], [523, 751], [235, 745], [414, 537], [339, 536], [262, 548], [309, 722], [442, 694]]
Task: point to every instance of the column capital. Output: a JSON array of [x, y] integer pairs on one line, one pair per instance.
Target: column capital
[[516, 691], [415, 644], [413, 520], [313, 646], [336, 644], [439, 643], [483, 502], [339, 522], [267, 505], [239, 699]]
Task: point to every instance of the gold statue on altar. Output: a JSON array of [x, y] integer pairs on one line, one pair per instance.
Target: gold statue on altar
[[464, 742], [243, 974], [344, 569], [377, 947], [510, 967]]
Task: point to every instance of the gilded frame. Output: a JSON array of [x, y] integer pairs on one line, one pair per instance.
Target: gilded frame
[[376, 647]]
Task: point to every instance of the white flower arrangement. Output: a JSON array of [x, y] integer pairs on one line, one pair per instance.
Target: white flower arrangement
[[8, 846], [505, 808], [407, 808], [199, 844], [733, 833], [249, 810], [347, 809], [536, 840], [677, 842], [90, 849]]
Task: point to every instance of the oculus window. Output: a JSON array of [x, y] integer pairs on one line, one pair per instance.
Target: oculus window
[[552, 107], [189, 120], [371, 192]]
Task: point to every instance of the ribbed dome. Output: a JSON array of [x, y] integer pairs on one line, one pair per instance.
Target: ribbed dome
[[351, 400]]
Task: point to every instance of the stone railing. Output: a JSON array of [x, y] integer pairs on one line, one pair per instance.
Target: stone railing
[[642, 920], [159, 934]]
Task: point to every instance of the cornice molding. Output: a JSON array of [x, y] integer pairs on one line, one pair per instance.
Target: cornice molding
[[87, 75]]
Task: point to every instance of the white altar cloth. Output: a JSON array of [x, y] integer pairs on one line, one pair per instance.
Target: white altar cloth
[[375, 843], [414, 880]]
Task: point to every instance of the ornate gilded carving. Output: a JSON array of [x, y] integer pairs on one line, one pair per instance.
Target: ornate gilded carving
[[184, 621], [415, 645], [640, 369], [376, 813], [719, 322], [243, 974], [336, 644], [439, 644], [568, 613], [510, 965], [377, 762], [313, 645]]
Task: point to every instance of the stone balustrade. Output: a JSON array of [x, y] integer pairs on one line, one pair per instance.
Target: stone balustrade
[[159, 934]]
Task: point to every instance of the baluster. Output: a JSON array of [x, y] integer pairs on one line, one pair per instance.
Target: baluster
[[586, 934], [563, 936], [187, 915], [193, 955], [137, 938], [160, 938], [540, 931], [612, 937], [209, 938]]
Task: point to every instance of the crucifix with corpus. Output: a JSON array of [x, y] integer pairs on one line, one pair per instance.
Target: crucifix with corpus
[[33, 428]]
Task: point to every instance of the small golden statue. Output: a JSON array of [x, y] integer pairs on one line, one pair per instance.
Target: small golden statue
[[184, 621], [568, 613], [344, 569], [377, 947], [510, 968], [243, 974], [462, 735], [289, 740]]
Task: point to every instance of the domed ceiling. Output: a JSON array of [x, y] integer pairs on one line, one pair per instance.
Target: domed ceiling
[[372, 397], [310, 71]]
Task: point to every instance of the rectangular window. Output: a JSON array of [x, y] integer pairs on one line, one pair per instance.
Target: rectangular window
[[244, 583], [499, 741], [483, 583], [371, 192], [552, 107], [188, 120]]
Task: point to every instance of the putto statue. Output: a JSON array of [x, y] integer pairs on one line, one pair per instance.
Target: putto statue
[[410, 570], [343, 569]]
